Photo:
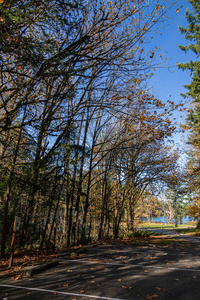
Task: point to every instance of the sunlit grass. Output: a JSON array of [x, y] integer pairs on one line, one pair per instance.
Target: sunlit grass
[[165, 225], [193, 231]]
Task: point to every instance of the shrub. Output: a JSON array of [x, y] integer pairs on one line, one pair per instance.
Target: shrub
[[143, 233]]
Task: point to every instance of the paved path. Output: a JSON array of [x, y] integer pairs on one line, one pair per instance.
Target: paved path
[[115, 272], [174, 234]]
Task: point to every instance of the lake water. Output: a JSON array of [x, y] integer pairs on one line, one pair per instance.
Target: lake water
[[165, 220]]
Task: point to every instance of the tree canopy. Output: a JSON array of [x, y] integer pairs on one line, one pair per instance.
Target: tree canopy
[[81, 136]]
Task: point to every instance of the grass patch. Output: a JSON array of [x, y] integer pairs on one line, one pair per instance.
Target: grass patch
[[193, 231], [158, 226], [164, 225]]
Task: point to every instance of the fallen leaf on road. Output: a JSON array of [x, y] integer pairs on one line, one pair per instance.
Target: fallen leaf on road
[[151, 296], [66, 284], [18, 277]]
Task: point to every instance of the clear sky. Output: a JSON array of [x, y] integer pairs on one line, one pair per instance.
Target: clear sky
[[169, 81]]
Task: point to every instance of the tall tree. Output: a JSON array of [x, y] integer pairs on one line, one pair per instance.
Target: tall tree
[[65, 68], [192, 35]]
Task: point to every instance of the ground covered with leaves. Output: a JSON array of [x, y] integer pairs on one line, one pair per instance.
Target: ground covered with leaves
[[24, 258]]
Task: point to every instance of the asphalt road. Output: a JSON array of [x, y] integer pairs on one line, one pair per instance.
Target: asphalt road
[[117, 272], [172, 233]]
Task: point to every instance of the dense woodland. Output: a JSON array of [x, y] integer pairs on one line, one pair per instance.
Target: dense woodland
[[84, 145]]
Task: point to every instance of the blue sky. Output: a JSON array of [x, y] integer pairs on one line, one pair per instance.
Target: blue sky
[[168, 81]]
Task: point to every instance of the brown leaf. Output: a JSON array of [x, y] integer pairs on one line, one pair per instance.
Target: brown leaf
[[18, 277], [19, 67], [151, 296], [66, 284]]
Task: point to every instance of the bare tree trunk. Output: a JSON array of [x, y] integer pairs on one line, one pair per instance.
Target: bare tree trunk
[[4, 232]]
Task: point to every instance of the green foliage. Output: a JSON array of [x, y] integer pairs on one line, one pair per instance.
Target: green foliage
[[127, 235], [85, 240], [192, 35], [144, 233], [3, 188], [138, 233]]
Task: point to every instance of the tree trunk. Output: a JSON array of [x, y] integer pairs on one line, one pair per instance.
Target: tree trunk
[[198, 224], [46, 225], [4, 232]]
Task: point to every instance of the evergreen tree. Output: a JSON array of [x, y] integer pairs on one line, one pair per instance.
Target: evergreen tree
[[192, 34]]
